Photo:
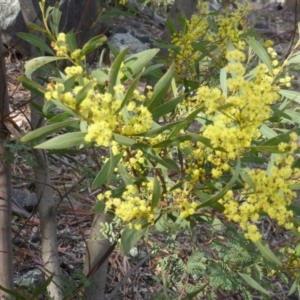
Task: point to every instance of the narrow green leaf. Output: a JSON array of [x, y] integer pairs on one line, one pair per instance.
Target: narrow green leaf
[[101, 76], [267, 131], [93, 44], [160, 89], [99, 206], [114, 162], [32, 86], [69, 83], [191, 117], [253, 283], [102, 175], [83, 93], [33, 26], [71, 41], [295, 59], [49, 9], [66, 140], [170, 164], [37, 107], [223, 80], [176, 139], [35, 63], [135, 63], [161, 129], [267, 253], [13, 293], [228, 186], [254, 160], [114, 71], [130, 237], [47, 108], [152, 155], [46, 130], [153, 69], [126, 177], [166, 107], [246, 178], [261, 52], [65, 108], [42, 288], [292, 95], [56, 18], [123, 140], [192, 295], [275, 141], [294, 285], [156, 194], [292, 116], [269, 149], [114, 50], [35, 41], [130, 91]]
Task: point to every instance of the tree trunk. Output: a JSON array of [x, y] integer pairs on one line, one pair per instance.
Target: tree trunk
[[47, 207], [6, 268], [97, 247], [48, 216]]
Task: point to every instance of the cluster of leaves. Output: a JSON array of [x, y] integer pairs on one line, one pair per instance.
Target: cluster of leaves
[[17, 150], [158, 172], [220, 260]]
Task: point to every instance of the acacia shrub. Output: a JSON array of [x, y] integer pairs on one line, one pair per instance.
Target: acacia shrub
[[239, 167]]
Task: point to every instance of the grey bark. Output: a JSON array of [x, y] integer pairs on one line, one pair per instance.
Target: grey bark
[[47, 207], [97, 247], [48, 216], [6, 267]]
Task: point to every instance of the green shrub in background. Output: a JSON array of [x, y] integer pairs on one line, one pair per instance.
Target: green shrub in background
[[240, 166]]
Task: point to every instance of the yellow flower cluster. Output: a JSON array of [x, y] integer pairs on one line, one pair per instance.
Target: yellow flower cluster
[[290, 147], [130, 206], [135, 162], [60, 45], [76, 55], [292, 261], [186, 206], [270, 193], [230, 27], [185, 56], [74, 70], [236, 116], [101, 110], [139, 123], [275, 62], [195, 164]]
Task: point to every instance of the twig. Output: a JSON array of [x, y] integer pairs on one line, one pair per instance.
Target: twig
[[68, 191]]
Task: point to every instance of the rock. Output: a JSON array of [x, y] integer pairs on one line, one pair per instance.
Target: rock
[[30, 278], [11, 22], [125, 40], [9, 11], [24, 198]]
